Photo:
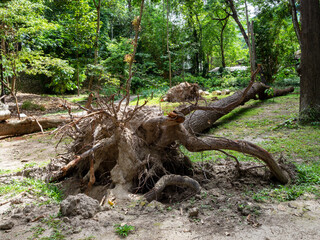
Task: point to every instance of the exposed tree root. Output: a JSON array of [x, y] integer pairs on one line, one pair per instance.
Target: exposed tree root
[[138, 148], [195, 144], [171, 180]]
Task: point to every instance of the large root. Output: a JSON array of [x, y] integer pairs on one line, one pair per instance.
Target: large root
[[171, 180], [195, 144], [137, 148]]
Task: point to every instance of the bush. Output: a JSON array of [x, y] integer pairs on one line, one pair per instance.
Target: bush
[[28, 105]]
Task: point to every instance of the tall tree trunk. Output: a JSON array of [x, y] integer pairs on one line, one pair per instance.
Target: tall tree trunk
[[129, 5], [168, 50], [253, 47], [223, 62], [295, 22], [236, 18], [2, 79], [135, 45], [78, 79], [310, 59], [97, 4]]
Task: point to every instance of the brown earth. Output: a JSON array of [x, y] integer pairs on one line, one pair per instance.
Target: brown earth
[[222, 210]]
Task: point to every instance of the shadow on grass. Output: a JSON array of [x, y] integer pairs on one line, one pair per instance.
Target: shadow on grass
[[240, 112]]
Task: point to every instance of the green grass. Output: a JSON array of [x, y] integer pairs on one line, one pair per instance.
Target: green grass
[[76, 98], [167, 106], [272, 125], [28, 105], [308, 181], [4, 171], [51, 223], [35, 187]]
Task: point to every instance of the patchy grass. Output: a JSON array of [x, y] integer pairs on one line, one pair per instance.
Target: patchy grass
[[168, 106], [308, 181], [28, 105], [272, 125], [50, 224], [35, 187], [76, 98]]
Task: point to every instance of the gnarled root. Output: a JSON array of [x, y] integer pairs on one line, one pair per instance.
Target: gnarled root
[[169, 180], [195, 144]]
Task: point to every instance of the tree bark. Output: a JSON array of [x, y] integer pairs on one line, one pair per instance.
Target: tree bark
[[253, 48], [236, 18], [168, 50], [96, 43], [30, 125], [135, 45], [310, 59], [295, 21], [195, 144], [201, 120], [1, 76], [223, 62]]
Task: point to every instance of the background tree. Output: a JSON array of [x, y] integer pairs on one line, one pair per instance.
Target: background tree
[[310, 58], [275, 40]]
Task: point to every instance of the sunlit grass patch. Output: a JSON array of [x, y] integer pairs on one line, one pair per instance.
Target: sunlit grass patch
[[308, 181], [35, 187]]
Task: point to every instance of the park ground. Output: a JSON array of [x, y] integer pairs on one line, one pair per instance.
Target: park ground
[[230, 206]]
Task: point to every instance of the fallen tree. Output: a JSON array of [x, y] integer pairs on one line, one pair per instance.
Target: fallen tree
[[30, 125], [136, 149], [206, 116]]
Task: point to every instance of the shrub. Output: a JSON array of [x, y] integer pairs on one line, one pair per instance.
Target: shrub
[[28, 105]]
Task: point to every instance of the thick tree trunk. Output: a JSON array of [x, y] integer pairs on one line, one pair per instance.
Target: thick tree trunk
[[310, 59], [202, 119], [30, 125], [236, 19]]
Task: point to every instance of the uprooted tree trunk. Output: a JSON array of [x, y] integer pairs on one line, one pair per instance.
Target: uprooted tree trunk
[[30, 125], [138, 149], [203, 119]]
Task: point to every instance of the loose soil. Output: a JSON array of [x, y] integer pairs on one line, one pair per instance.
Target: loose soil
[[223, 209]]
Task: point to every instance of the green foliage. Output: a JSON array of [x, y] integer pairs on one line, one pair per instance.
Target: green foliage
[[290, 123], [37, 187], [57, 38], [61, 75], [123, 230], [276, 42], [114, 59], [28, 105], [269, 92]]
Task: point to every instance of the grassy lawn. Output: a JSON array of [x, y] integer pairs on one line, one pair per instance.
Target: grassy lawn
[[272, 125]]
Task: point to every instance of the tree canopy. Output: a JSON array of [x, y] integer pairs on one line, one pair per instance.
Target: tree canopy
[[77, 43]]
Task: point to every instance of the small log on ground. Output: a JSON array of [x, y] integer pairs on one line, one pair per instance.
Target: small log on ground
[[31, 125]]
